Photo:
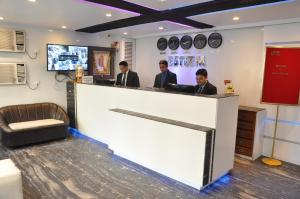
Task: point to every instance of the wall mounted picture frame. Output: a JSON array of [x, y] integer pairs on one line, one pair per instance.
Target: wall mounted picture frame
[[101, 62]]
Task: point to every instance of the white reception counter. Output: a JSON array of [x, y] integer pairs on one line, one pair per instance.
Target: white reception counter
[[188, 138]]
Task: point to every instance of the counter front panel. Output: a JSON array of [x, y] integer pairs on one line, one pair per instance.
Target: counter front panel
[[188, 138]]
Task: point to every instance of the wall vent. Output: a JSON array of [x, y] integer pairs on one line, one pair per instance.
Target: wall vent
[[128, 55], [128, 52]]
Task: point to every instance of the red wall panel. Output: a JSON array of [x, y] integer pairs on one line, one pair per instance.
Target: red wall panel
[[282, 76]]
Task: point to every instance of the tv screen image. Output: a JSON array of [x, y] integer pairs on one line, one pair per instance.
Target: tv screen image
[[65, 58]]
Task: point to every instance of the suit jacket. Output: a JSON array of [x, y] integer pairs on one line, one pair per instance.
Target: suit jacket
[[208, 89], [171, 78], [132, 79]]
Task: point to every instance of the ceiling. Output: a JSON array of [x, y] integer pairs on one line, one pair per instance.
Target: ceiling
[[53, 14], [273, 12], [167, 4], [76, 14]]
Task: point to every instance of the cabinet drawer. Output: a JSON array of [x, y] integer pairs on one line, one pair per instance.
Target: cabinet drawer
[[245, 134], [243, 151], [244, 142], [247, 116], [245, 125]]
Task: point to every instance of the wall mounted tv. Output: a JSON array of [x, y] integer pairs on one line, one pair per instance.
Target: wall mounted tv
[[66, 57]]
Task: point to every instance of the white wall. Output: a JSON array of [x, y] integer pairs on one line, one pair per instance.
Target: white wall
[[240, 59], [49, 90]]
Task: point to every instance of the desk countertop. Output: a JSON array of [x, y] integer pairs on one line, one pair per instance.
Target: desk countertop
[[161, 90], [252, 109]]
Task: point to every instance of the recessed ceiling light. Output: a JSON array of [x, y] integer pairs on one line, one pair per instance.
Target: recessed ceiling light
[[236, 18], [163, 0], [108, 15], [64, 27], [78, 40], [161, 28], [50, 30], [32, 1], [1, 18], [125, 33]]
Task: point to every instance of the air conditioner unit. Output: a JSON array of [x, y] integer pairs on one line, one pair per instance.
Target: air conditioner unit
[[12, 73], [12, 40]]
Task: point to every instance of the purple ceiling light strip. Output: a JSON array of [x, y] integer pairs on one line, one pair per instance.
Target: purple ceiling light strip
[[108, 7]]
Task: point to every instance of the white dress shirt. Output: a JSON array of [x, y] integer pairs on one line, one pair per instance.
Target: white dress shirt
[[125, 76]]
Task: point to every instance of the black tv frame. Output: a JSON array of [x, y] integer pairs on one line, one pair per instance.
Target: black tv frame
[[66, 71]]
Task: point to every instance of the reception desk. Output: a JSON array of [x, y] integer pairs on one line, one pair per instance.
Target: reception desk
[[188, 138]]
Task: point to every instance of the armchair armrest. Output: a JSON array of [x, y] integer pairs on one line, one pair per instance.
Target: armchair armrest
[[4, 125], [62, 115]]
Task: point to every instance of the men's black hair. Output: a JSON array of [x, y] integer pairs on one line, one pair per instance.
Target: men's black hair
[[202, 72], [123, 63], [164, 62]]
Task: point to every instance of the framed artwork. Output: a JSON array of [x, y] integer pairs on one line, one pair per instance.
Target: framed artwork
[[101, 62]]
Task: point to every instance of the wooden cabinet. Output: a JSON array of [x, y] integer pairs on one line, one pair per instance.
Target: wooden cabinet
[[250, 132]]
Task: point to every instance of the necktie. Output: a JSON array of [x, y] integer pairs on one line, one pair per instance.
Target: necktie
[[163, 79], [124, 80], [200, 89]]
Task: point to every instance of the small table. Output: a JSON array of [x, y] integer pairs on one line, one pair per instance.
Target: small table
[[10, 180]]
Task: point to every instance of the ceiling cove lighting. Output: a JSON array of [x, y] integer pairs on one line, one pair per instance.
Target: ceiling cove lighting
[[177, 15]]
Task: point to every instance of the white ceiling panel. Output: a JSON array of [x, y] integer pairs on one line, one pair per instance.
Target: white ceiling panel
[[74, 14], [166, 4], [251, 15]]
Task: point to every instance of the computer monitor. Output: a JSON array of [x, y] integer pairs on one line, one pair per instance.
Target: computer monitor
[[105, 82], [181, 88]]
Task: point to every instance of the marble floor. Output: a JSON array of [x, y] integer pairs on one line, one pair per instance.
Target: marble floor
[[78, 168]]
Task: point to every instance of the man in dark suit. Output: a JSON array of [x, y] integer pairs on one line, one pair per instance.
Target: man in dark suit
[[127, 78], [204, 87], [165, 77]]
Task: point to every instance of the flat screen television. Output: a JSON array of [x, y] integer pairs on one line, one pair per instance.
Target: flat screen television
[[66, 57]]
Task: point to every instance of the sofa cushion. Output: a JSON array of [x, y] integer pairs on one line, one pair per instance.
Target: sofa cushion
[[34, 124]]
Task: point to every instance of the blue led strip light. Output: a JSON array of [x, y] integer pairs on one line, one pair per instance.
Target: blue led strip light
[[291, 123]]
